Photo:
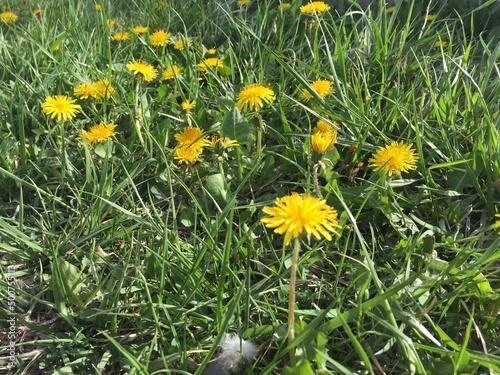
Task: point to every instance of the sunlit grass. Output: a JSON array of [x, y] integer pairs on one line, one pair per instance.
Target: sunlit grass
[[136, 248]]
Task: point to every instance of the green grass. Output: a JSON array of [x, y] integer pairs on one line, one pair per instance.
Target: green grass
[[128, 262]]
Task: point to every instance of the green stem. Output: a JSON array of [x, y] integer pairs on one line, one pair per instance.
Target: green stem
[[291, 300], [138, 112]]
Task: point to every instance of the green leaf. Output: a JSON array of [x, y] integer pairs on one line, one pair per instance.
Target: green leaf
[[216, 187], [236, 126], [303, 368]]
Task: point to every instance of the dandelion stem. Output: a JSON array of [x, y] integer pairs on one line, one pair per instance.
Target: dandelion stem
[[291, 299], [138, 112]]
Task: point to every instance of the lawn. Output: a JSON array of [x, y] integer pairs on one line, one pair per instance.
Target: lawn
[[249, 187]]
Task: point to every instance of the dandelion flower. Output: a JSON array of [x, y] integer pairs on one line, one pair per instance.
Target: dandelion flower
[[323, 87], [140, 30], [187, 154], [224, 142], [121, 35], [182, 43], [171, 72], [8, 17], [253, 97], [111, 23], [98, 7], [98, 133], [243, 2], [211, 63], [83, 91], [324, 127], [394, 159], [439, 44], [102, 89], [212, 51], [159, 38], [60, 106], [186, 105], [145, 69], [297, 215], [430, 17], [284, 6], [390, 10], [192, 137], [322, 142], [38, 12], [316, 7]]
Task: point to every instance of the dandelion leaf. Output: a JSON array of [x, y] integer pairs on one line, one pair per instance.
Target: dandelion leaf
[[236, 126]]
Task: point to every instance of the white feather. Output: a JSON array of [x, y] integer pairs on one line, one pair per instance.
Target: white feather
[[234, 349]]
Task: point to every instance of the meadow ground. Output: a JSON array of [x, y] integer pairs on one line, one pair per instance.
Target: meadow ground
[[172, 172]]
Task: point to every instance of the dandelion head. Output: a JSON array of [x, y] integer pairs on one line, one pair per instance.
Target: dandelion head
[[121, 35], [254, 96], [299, 215], [243, 2], [143, 69], [83, 91], [8, 17], [212, 63], [440, 44], [186, 105], [394, 159], [192, 137], [323, 87], [322, 142], [430, 17], [212, 51], [171, 72], [159, 38], [98, 133], [187, 154], [182, 43], [316, 7], [390, 10], [38, 12], [140, 30], [61, 107]]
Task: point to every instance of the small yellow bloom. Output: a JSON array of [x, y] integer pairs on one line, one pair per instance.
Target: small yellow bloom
[[111, 23], [212, 51], [98, 7], [243, 2], [8, 17], [140, 30], [192, 137], [430, 17], [102, 89], [146, 70], [394, 159], [159, 38], [439, 44], [322, 86], [83, 91], [186, 105], [38, 12], [390, 10], [284, 6], [253, 97], [121, 35], [324, 127], [181, 43], [60, 106], [224, 142], [98, 133], [299, 215], [187, 154], [171, 72], [316, 7], [212, 63], [323, 138]]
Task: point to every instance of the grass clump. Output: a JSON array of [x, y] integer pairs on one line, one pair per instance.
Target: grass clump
[[131, 238]]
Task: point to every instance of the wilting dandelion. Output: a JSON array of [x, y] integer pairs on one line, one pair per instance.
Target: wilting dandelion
[[394, 159], [254, 96], [61, 107]]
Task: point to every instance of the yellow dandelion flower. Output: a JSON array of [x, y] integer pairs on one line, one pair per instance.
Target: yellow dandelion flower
[[430, 17], [186, 105], [192, 137], [38, 12], [144, 69], [102, 89], [323, 87], [60, 106], [299, 215], [224, 142], [394, 159], [8, 17], [159, 38], [323, 142], [111, 23], [316, 7], [324, 127], [98, 133], [98, 7], [211, 63], [439, 44], [182, 43], [140, 30], [121, 35], [83, 91], [171, 72], [212, 51], [253, 97], [243, 2], [284, 6], [187, 154], [390, 10], [56, 48]]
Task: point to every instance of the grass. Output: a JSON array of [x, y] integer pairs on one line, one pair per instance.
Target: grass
[[119, 259]]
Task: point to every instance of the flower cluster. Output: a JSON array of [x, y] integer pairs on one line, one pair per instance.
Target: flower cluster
[[191, 143]]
